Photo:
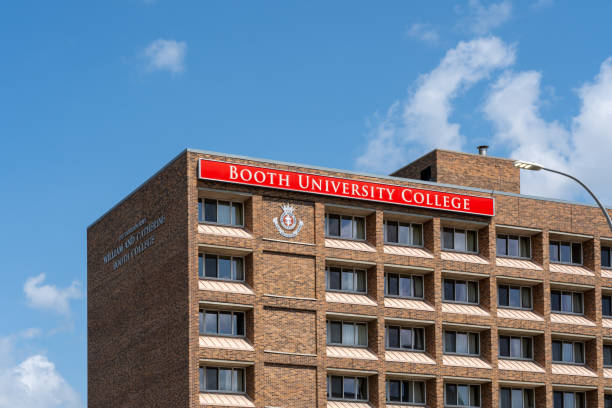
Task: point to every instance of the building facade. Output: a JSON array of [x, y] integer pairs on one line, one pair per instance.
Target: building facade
[[226, 281]]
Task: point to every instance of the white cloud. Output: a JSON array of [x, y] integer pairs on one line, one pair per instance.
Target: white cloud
[[422, 122], [166, 55], [424, 33], [50, 297], [482, 19]]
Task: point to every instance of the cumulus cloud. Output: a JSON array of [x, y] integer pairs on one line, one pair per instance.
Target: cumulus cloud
[[166, 55], [482, 19], [424, 33], [422, 121], [50, 297]]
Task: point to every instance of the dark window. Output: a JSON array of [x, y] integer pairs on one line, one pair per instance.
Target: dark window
[[461, 343], [459, 240], [516, 347], [516, 398], [345, 226], [408, 286], [346, 280], [222, 323], [608, 401], [566, 399], [461, 395], [221, 267], [220, 212], [606, 257], [568, 352], [460, 291], [407, 338], [513, 246], [403, 233], [566, 302], [347, 388], [426, 174], [566, 252], [515, 297], [607, 352], [606, 305], [347, 333], [412, 392], [222, 379]]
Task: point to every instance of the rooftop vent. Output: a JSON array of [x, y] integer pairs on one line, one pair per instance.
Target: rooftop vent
[[482, 150]]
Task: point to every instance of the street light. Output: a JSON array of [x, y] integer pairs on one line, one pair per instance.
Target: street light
[[525, 165]]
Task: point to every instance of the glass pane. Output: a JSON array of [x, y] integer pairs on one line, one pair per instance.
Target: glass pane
[[450, 342], [406, 391], [393, 391], [515, 347], [203, 383], [333, 225], [568, 352], [359, 228], [555, 301], [501, 245], [473, 292], [405, 286], [336, 387], [335, 335], [239, 324], [474, 343], [566, 252], [239, 380], [503, 295], [225, 267], [475, 395], [576, 253], [463, 395], [460, 291], [526, 298], [211, 379], [580, 400], [608, 401], [557, 399], [566, 302], [238, 266], [472, 237], [211, 322], [554, 251], [577, 304], [362, 388], [210, 210], [237, 214], [201, 324], [223, 212], [578, 353], [462, 343], [404, 234], [605, 257], [556, 347], [362, 335], [527, 347], [393, 284], [528, 398], [606, 305], [346, 227], [515, 297], [200, 265], [517, 398], [513, 246], [406, 338], [504, 346], [348, 334], [451, 394], [200, 210], [525, 247], [504, 398], [391, 231], [449, 289], [419, 393], [211, 266], [460, 240], [361, 280], [393, 337], [568, 399], [447, 239], [225, 323], [417, 282], [349, 387], [347, 280], [607, 354], [417, 234], [419, 339], [333, 277]]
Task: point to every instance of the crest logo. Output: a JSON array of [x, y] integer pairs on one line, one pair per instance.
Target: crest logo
[[288, 225]]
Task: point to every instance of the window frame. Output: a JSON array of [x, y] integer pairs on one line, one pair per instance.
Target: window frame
[[353, 227], [233, 312], [400, 402], [571, 244], [457, 385], [602, 309], [202, 256], [203, 200], [354, 272], [411, 244], [467, 302], [232, 369], [509, 357], [573, 343], [465, 230], [561, 292], [399, 275], [328, 386], [570, 392], [604, 360], [507, 240], [400, 348], [455, 353], [522, 395], [521, 289], [343, 322], [609, 250]]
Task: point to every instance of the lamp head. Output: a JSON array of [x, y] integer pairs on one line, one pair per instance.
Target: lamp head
[[525, 165]]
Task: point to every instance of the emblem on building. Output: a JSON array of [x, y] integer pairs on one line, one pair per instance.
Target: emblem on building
[[288, 225]]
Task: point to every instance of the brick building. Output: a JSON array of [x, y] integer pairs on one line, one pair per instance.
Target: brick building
[[227, 281]]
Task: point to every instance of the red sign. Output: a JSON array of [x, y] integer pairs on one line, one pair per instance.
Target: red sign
[[347, 188]]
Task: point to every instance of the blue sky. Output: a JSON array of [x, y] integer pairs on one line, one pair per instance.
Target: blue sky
[[96, 96]]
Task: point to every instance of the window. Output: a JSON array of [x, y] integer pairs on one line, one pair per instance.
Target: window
[[347, 388], [516, 398], [222, 379], [347, 333], [344, 226], [412, 392], [405, 338], [221, 267], [516, 347], [461, 395], [608, 401], [403, 233], [606, 257], [459, 240], [461, 343], [460, 291], [222, 323], [565, 399], [568, 352], [515, 297], [513, 246], [346, 279], [607, 355], [220, 212], [408, 286], [606, 305], [566, 252], [566, 302]]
